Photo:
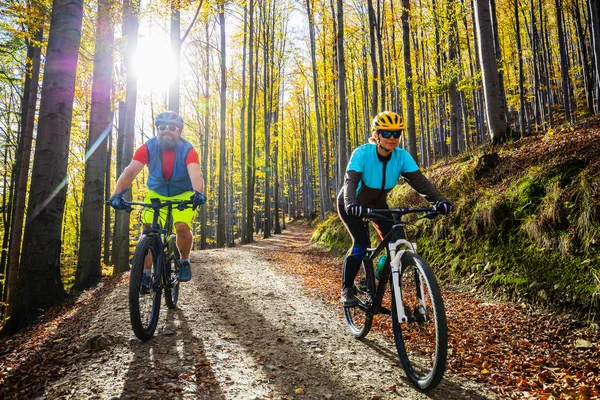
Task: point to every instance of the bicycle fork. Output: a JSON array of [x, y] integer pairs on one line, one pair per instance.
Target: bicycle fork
[[396, 267]]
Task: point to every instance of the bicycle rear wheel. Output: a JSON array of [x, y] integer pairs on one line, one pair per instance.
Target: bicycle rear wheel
[[172, 274], [144, 300], [359, 318], [422, 341]]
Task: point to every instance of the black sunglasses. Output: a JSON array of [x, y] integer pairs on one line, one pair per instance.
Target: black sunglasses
[[389, 134], [172, 128]]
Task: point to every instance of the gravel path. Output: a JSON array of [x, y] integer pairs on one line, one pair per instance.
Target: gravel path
[[243, 330]]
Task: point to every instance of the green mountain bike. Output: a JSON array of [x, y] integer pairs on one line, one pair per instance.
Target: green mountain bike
[[154, 269]]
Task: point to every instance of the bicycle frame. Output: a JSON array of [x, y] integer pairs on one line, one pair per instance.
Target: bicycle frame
[[396, 245], [161, 235]]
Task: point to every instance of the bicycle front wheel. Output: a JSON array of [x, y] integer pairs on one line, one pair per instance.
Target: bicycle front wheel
[[172, 274], [359, 319], [144, 300], [422, 340]]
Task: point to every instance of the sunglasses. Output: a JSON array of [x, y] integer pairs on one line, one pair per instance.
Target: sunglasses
[[389, 134], [171, 128]]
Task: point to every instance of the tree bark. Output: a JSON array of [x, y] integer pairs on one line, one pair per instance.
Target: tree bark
[[323, 186], [39, 285], [595, 22], [521, 73], [107, 193], [222, 155], [343, 103], [89, 268], [243, 130], [373, 56], [564, 63], [494, 104], [452, 93], [174, 86], [204, 210], [121, 238], [250, 148], [28, 106], [410, 102]]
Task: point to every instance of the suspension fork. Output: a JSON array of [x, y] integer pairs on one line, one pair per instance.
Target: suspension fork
[[397, 249], [159, 268]]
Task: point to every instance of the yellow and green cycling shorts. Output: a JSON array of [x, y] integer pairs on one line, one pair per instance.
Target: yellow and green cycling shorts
[[185, 215]]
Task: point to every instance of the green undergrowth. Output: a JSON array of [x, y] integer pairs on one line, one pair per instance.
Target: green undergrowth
[[529, 230]]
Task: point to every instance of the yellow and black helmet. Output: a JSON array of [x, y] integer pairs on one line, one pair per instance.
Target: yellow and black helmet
[[387, 121]]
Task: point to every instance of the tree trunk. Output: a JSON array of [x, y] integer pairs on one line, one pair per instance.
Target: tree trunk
[[121, 238], [595, 23], [39, 285], [107, 193], [497, 50], [204, 210], [222, 155], [378, 30], [373, 56], [494, 104], [249, 148], [243, 132], [174, 86], [547, 81], [521, 74], [410, 102], [564, 63], [585, 64], [343, 103], [323, 186], [538, 107], [89, 268], [267, 106], [28, 106], [452, 93]]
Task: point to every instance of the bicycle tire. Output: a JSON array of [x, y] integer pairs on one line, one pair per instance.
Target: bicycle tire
[[171, 273], [422, 342], [144, 306], [359, 319]]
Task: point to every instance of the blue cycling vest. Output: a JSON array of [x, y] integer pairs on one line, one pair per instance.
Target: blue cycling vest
[[378, 177], [180, 179]]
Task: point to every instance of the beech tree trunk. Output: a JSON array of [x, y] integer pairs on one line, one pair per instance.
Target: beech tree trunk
[[89, 268], [250, 140], [121, 238], [174, 86], [494, 103], [410, 102], [40, 285], [222, 155], [28, 106], [343, 102], [323, 186]]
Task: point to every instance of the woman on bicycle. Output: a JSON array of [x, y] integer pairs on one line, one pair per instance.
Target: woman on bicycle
[[373, 170]]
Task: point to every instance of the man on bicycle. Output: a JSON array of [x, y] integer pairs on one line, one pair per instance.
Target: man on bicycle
[[373, 170], [173, 175]]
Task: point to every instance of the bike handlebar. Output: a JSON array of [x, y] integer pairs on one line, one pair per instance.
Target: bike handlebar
[[372, 213], [181, 205]]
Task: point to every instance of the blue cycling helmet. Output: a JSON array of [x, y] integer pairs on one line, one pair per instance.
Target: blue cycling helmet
[[169, 118]]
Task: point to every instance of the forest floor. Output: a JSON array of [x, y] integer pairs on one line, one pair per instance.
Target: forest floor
[[263, 321]]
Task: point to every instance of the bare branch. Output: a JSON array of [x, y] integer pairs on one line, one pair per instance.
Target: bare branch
[[193, 22]]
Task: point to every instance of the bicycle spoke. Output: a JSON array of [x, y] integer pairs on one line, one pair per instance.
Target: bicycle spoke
[[144, 299], [422, 341], [358, 319]]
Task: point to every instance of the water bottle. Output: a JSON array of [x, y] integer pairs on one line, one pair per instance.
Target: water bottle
[[380, 265]]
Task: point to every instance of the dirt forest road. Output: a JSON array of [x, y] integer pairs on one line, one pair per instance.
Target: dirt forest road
[[244, 330]]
